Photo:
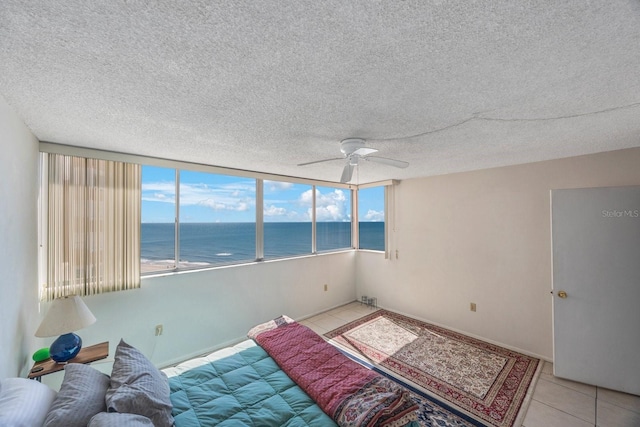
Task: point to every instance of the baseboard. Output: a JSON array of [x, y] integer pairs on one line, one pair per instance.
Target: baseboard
[[176, 360], [498, 343]]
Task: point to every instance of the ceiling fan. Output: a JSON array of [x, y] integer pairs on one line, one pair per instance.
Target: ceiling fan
[[354, 150]]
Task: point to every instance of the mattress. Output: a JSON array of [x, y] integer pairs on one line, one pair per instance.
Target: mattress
[[239, 385]]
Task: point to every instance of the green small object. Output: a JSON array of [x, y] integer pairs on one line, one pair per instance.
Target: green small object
[[40, 355]]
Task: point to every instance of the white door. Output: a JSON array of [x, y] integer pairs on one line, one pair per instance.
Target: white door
[[596, 286]]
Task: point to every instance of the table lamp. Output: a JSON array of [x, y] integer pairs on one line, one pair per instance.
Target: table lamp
[[65, 315]]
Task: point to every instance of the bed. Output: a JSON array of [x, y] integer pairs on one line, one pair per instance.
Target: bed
[[285, 375], [239, 385]]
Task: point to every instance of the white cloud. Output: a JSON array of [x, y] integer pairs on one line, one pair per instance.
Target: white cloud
[[331, 206], [158, 192], [210, 203], [277, 214], [277, 185], [230, 197], [163, 187], [275, 211], [373, 215], [242, 206], [229, 205], [306, 197]]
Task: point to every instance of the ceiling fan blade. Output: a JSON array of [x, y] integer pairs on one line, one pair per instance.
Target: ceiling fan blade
[[389, 162], [320, 161], [365, 151], [347, 173]]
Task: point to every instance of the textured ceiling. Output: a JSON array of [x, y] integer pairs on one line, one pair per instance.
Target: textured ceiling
[[265, 85]]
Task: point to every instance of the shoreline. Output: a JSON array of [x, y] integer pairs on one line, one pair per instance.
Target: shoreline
[[149, 266]]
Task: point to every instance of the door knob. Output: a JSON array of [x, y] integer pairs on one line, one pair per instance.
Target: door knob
[[562, 294]]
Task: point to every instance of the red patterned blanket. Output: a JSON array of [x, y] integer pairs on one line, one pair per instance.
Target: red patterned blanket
[[348, 392]]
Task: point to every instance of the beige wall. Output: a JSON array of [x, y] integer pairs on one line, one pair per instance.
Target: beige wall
[[484, 237], [18, 242]]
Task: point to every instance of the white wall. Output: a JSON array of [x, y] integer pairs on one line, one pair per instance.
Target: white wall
[[200, 310], [204, 310], [484, 237], [18, 242]]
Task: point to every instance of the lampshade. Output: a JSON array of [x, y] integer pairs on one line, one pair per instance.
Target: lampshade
[[65, 315]]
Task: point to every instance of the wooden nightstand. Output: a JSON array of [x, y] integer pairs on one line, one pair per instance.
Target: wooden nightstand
[[86, 355]]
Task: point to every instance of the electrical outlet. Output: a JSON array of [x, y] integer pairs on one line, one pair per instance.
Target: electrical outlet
[[158, 330], [472, 307], [326, 287]]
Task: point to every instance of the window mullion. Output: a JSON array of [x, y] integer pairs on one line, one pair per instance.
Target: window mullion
[[313, 220], [259, 219], [177, 221], [387, 225], [355, 229]]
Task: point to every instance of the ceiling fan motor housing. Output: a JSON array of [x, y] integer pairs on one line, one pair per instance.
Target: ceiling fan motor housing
[[350, 145]]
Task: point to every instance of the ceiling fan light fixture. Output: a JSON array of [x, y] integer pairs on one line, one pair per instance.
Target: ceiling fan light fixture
[[351, 145]]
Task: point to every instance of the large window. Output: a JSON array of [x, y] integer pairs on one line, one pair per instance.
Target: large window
[[371, 218], [217, 219], [197, 218], [333, 218], [287, 219], [157, 230]]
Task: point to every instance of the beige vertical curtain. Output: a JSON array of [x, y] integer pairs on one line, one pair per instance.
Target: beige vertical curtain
[[93, 238]]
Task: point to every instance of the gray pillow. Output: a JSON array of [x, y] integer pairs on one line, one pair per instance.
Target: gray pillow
[[114, 419], [81, 396], [138, 387]]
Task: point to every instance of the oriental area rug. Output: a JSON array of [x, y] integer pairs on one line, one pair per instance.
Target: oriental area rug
[[485, 381], [431, 413]]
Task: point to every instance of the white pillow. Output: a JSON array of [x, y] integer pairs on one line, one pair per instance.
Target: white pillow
[[23, 402]]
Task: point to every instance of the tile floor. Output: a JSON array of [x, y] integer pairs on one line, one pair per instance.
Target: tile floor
[[556, 402]]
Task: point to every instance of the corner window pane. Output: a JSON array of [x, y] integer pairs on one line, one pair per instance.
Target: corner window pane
[[217, 219], [371, 220], [287, 219], [333, 218], [157, 232]]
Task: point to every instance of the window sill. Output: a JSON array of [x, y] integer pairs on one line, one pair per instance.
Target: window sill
[[162, 273]]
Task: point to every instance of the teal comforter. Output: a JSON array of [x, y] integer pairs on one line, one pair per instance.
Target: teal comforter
[[237, 386]]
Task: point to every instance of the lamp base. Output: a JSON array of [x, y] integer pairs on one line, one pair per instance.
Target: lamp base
[[65, 347]]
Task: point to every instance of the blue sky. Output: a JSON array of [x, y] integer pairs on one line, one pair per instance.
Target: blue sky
[[221, 198]]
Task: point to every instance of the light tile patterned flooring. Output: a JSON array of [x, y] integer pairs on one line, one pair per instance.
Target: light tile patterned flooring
[[556, 402]]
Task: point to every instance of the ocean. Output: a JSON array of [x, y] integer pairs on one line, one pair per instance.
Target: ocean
[[231, 243]]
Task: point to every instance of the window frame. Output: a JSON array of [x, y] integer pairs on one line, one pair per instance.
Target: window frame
[[388, 191], [260, 177], [310, 249], [352, 244]]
